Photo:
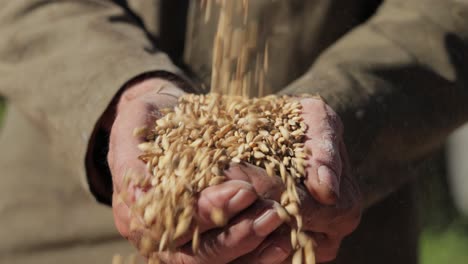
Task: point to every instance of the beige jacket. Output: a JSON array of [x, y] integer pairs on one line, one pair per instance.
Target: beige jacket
[[396, 72]]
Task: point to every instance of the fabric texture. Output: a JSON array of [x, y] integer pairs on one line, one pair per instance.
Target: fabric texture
[[62, 62]]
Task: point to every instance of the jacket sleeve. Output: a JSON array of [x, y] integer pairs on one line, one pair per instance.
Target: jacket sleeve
[[400, 84], [63, 61]]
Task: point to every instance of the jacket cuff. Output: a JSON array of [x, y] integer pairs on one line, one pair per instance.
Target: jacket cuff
[[98, 174]]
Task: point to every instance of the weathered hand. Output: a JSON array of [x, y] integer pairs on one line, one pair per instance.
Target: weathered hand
[[139, 106], [324, 139], [250, 192], [246, 230], [331, 202]]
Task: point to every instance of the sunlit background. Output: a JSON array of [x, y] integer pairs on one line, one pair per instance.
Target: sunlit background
[[444, 236]]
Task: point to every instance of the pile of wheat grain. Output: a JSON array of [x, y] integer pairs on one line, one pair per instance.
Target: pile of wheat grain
[[191, 146], [188, 149]]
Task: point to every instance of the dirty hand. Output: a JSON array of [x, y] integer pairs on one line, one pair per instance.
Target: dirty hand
[[331, 202], [139, 106]]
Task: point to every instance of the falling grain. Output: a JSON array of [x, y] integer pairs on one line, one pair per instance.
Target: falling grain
[[191, 146], [218, 217]]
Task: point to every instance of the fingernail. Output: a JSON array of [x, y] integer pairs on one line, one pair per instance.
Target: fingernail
[[272, 255], [328, 177], [267, 222]]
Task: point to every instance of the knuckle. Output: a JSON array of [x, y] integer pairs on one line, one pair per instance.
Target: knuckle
[[237, 172]]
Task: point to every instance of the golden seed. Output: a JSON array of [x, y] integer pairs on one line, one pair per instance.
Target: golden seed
[[270, 169], [294, 242], [299, 221], [217, 180], [163, 241], [249, 137], [284, 198], [292, 209], [117, 259], [302, 238], [309, 255], [146, 245], [217, 216], [196, 239], [182, 227], [145, 146], [283, 214], [297, 257], [139, 131], [149, 215], [258, 155], [263, 147], [216, 171], [284, 132], [197, 143]]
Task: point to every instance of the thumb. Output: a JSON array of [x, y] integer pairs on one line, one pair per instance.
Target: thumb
[[323, 139]]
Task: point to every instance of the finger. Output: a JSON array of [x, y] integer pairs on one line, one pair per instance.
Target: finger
[[323, 137], [240, 237], [230, 197], [266, 186], [274, 249]]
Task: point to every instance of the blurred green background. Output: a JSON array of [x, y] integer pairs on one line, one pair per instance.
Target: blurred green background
[[444, 236]]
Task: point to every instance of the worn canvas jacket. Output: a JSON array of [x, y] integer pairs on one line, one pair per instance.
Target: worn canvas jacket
[[395, 70]]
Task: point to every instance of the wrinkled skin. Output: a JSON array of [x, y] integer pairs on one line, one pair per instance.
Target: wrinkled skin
[[331, 202]]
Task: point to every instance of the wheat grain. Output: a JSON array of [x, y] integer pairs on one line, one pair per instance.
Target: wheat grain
[[189, 148], [189, 153]]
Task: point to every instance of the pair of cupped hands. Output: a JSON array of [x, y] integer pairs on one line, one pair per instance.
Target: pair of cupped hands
[[330, 199]]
